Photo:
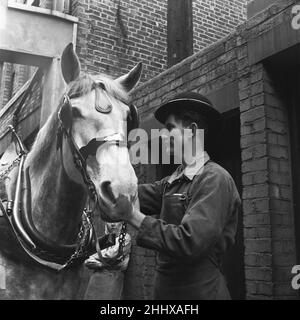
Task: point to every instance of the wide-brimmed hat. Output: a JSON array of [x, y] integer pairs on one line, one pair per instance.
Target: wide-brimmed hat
[[191, 101]]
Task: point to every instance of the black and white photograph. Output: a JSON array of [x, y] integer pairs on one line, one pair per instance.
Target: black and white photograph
[[149, 153]]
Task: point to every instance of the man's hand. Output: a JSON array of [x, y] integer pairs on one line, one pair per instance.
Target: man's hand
[[121, 210]]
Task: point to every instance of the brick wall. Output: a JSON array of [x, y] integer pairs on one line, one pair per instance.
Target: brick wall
[[214, 19], [269, 235], [268, 211], [267, 196], [111, 39], [204, 72], [112, 43]]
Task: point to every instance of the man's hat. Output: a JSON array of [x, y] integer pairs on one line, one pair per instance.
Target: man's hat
[[191, 101]]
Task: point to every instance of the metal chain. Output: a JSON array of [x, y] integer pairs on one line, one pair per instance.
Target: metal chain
[[10, 167], [81, 250], [122, 238]]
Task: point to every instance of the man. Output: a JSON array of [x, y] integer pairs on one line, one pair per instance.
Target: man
[[190, 217]]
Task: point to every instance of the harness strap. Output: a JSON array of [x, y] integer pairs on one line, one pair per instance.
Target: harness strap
[[51, 265], [45, 258], [80, 164]]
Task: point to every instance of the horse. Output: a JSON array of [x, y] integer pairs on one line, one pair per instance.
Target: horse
[[46, 227]]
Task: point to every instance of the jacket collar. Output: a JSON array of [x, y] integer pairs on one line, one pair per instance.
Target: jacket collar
[[191, 170]]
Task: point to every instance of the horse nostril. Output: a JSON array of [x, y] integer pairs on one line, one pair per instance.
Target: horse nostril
[[107, 192]]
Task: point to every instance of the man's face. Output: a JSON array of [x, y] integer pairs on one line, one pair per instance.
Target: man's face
[[184, 143], [175, 127]]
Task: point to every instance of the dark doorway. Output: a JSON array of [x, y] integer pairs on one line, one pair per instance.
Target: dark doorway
[[294, 121], [284, 70], [227, 153]]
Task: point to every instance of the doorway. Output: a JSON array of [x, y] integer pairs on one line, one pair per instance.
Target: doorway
[[284, 70], [228, 155]]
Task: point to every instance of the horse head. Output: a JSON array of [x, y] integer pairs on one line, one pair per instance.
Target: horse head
[[99, 116]]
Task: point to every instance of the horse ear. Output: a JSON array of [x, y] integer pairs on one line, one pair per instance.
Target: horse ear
[[70, 65], [130, 80]]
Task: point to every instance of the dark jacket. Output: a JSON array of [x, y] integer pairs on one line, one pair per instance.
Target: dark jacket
[[195, 223]]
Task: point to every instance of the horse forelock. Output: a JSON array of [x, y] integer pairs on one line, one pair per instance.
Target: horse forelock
[[84, 84]]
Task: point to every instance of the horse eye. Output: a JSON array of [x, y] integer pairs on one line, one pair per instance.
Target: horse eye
[[76, 113]]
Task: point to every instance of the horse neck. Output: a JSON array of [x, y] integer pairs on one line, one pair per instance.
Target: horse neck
[[57, 202]]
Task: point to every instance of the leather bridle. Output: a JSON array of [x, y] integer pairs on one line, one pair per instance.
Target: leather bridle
[[80, 155]]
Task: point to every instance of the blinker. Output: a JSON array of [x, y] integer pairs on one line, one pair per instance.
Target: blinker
[[98, 107]]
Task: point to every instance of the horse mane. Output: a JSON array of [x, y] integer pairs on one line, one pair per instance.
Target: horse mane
[[79, 87]]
